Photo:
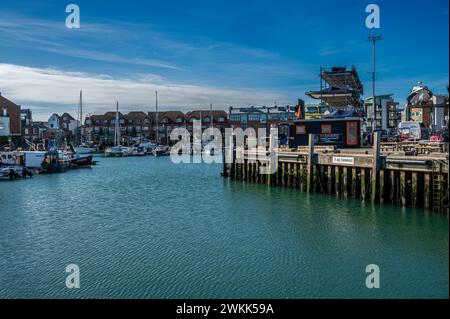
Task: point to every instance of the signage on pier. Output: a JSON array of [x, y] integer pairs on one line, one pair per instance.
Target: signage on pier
[[343, 160]]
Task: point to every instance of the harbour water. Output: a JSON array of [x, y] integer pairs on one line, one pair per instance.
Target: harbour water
[[146, 228]]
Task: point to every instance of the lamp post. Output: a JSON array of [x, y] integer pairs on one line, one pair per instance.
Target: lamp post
[[374, 39]]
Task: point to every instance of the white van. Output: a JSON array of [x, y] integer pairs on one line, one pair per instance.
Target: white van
[[409, 130]]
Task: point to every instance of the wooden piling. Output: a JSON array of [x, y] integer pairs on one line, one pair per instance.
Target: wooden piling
[[310, 173]]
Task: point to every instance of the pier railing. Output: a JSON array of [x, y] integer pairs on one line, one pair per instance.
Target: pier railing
[[367, 174]]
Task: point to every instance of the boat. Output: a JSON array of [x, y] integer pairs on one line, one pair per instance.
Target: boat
[[161, 150], [118, 150], [81, 161], [138, 151], [55, 162], [12, 166], [82, 147], [78, 160]]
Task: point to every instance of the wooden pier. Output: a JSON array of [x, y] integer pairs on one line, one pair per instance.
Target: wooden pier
[[386, 174]]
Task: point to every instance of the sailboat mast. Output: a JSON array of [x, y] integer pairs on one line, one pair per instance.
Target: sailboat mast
[[81, 117], [211, 121], [157, 119], [116, 129]]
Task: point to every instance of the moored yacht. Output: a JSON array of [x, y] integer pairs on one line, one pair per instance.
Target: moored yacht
[[118, 150]]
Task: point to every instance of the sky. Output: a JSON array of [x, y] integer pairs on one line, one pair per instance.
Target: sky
[[228, 53]]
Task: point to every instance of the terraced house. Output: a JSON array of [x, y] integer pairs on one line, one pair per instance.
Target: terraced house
[[152, 126]]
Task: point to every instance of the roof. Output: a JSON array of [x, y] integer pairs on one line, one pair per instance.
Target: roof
[[105, 117], [4, 101], [136, 116], [263, 109], [70, 117], [206, 114], [171, 115]]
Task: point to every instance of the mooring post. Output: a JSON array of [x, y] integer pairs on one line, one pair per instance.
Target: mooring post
[[375, 167], [310, 173]]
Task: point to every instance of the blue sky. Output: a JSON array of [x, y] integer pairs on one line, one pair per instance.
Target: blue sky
[[200, 52]]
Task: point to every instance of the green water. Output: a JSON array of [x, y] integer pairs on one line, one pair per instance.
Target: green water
[[146, 228]]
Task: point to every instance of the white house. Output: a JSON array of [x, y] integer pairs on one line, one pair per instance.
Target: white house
[[53, 122]]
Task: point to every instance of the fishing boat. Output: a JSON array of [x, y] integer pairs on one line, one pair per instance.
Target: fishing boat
[[118, 150], [81, 161], [78, 160], [55, 162]]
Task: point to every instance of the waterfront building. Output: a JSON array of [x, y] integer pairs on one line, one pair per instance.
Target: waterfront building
[[384, 116], [10, 125], [429, 115], [26, 123], [138, 126], [261, 117], [54, 121], [209, 118], [64, 124]]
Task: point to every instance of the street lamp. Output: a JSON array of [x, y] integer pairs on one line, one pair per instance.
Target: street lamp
[[373, 39]]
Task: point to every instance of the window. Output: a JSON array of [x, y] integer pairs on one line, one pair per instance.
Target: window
[[206, 120], [352, 133], [263, 118], [253, 117], [221, 119], [325, 129], [235, 117], [300, 129], [179, 120]]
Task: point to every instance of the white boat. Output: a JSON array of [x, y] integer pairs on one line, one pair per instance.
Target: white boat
[[84, 150], [161, 150], [118, 151]]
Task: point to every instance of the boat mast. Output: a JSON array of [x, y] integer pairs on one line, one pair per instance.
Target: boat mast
[[211, 122], [157, 120], [81, 117], [116, 129]]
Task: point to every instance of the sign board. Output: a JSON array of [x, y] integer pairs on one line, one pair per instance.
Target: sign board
[[343, 160]]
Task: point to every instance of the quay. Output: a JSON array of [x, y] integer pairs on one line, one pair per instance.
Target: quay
[[409, 174]]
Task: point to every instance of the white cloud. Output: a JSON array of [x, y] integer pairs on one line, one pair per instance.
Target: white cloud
[[50, 90]]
